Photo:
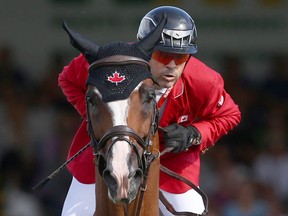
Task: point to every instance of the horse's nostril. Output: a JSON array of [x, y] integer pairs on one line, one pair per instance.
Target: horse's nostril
[[110, 180], [136, 174]]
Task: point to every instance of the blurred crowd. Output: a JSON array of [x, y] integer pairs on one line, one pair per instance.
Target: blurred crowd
[[245, 174], [37, 127]]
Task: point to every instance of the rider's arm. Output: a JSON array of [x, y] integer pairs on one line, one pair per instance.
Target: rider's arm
[[72, 81], [219, 116]]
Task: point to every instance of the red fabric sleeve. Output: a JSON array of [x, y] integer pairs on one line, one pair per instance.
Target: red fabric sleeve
[[219, 116], [72, 81]]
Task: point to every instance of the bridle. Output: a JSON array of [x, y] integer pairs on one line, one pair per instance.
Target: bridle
[[124, 132], [121, 132]]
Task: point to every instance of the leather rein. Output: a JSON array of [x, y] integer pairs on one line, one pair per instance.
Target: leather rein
[[175, 175]]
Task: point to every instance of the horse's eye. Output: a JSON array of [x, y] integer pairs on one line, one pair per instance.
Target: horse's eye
[[90, 100]]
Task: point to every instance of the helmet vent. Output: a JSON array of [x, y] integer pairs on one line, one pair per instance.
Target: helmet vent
[[168, 40], [179, 34]]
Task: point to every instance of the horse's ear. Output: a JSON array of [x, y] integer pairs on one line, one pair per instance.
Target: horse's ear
[[88, 48], [147, 44]]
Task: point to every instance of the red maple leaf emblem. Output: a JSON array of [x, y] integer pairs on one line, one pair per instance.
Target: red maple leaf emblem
[[116, 78]]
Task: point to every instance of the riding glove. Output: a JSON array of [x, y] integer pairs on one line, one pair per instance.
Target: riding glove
[[180, 137]]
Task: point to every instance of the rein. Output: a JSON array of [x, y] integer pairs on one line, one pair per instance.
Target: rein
[[175, 175]]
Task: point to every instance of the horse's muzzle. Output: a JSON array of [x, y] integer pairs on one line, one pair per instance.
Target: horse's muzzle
[[123, 189]]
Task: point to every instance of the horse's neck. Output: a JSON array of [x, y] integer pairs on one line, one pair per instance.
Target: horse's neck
[[150, 204]]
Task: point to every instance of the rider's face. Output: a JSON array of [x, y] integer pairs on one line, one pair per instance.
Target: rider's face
[[167, 68]]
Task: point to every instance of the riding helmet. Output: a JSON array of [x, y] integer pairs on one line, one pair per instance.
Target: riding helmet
[[179, 34]]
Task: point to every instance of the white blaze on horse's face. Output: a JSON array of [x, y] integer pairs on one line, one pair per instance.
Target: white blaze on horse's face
[[121, 150]]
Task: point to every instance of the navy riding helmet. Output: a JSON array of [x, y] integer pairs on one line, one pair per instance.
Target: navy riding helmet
[[179, 34]]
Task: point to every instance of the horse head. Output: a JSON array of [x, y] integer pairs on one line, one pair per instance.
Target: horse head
[[121, 109]]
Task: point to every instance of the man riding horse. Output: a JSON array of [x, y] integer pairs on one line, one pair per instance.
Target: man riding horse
[[195, 112]]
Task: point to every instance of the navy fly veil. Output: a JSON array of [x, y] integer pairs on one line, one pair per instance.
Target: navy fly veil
[[117, 81]]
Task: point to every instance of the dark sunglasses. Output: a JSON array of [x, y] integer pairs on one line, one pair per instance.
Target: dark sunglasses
[[165, 57]]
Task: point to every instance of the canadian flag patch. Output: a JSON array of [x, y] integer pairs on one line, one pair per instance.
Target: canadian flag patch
[[183, 118], [116, 78]]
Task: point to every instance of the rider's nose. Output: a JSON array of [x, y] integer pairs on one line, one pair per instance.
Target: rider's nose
[[171, 64]]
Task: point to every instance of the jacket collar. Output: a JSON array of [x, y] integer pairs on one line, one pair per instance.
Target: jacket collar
[[178, 88]]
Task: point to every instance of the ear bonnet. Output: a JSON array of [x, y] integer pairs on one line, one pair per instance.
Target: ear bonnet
[[118, 67]]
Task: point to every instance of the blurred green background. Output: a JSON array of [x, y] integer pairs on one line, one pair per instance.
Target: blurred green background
[[246, 173]]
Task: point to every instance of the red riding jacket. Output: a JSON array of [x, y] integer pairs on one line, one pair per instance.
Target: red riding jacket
[[198, 98]]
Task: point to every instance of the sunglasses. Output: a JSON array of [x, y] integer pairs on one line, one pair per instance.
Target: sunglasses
[[165, 57]]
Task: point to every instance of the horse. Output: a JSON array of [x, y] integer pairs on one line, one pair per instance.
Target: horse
[[122, 119]]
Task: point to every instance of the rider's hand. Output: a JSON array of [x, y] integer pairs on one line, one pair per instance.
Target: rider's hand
[[180, 137]]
